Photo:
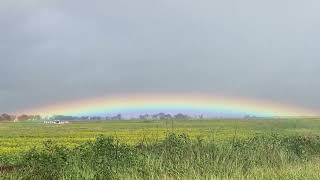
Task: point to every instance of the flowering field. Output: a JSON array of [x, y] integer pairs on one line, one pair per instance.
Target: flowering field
[[21, 136], [201, 149]]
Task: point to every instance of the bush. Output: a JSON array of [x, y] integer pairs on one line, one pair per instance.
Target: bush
[[105, 157], [47, 163]]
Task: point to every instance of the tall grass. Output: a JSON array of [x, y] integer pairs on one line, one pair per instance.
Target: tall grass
[[175, 157]]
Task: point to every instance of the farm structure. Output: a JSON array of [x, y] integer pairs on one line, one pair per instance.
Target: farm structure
[[56, 122]]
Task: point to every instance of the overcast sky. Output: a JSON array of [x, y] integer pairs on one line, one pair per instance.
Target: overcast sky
[[52, 51]]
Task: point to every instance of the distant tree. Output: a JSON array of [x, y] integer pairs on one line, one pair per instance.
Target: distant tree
[[145, 116], [119, 117], [63, 117], [6, 117], [162, 115], [37, 117], [23, 117], [168, 116], [84, 118], [95, 118], [155, 116], [181, 116]]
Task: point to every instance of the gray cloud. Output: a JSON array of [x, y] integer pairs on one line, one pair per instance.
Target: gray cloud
[[53, 51]]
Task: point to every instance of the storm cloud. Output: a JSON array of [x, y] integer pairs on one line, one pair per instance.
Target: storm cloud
[[53, 51]]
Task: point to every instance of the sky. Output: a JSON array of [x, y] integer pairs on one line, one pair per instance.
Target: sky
[[57, 51]]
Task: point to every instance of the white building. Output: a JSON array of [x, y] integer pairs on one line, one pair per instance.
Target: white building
[[56, 122]]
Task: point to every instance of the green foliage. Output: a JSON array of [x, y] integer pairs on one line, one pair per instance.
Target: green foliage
[[46, 163], [303, 146], [177, 157], [138, 150], [105, 156]]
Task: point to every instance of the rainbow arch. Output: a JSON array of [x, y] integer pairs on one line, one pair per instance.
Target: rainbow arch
[[134, 104]]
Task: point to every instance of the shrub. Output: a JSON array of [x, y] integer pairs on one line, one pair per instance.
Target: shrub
[[47, 163]]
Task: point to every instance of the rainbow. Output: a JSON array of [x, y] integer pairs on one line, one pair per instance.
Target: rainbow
[[135, 104]]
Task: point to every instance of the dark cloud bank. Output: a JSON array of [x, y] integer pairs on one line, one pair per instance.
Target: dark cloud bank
[[53, 51]]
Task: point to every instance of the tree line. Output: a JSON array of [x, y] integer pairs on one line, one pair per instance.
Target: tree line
[[23, 117]]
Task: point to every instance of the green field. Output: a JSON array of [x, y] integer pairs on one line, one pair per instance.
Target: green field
[[279, 148], [15, 137]]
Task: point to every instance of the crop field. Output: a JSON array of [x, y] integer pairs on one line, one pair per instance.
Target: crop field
[[18, 137], [161, 149]]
